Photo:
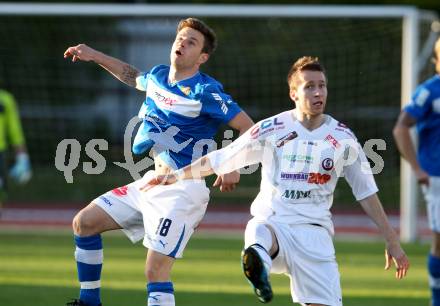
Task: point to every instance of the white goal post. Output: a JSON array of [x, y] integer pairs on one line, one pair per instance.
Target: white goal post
[[411, 18]]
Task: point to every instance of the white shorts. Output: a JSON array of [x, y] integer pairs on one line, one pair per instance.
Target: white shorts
[[432, 197], [165, 216], [307, 256]]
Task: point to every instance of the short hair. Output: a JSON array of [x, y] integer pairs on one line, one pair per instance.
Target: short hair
[[210, 39], [304, 63]]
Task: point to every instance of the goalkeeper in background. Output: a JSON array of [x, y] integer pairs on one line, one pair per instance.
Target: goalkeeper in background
[[424, 112], [11, 133]]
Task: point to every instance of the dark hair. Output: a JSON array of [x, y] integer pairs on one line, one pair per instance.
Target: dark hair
[[304, 63], [210, 42]]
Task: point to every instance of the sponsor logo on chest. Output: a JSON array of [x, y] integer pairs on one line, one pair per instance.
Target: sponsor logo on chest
[[169, 101], [283, 140], [298, 158], [332, 140], [266, 126], [310, 178], [164, 99], [297, 194]]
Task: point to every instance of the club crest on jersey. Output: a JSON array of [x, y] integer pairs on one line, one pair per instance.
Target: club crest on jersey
[[185, 89], [327, 164], [282, 141]]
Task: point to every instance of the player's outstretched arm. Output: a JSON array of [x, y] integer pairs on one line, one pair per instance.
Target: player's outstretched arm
[[120, 70], [227, 182], [244, 151], [393, 251], [199, 169]]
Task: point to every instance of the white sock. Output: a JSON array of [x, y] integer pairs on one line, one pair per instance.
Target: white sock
[[161, 294], [267, 261], [259, 237]]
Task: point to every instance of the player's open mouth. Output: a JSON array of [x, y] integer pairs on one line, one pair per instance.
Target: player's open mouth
[[318, 103], [178, 52]]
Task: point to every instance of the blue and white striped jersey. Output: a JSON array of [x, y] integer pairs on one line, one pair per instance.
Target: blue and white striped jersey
[[425, 108], [180, 119]]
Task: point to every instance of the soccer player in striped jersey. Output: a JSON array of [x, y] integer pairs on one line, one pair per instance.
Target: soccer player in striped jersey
[[182, 112], [424, 112], [303, 153]]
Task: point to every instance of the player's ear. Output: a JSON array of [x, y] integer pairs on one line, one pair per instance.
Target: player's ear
[[292, 94], [203, 58]]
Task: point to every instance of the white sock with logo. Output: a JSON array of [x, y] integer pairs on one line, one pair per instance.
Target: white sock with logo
[[160, 294]]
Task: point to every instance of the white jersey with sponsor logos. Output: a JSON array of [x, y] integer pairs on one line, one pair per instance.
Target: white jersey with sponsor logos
[[300, 168]]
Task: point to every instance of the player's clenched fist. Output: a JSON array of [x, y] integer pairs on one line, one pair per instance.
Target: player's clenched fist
[[80, 52]]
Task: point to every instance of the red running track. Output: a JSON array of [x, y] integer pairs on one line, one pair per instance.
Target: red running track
[[217, 218]]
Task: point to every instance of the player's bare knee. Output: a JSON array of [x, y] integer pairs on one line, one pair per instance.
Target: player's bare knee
[[83, 224], [79, 224], [151, 274], [155, 272]]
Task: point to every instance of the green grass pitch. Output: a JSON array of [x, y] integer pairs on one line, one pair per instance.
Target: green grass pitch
[[38, 269]]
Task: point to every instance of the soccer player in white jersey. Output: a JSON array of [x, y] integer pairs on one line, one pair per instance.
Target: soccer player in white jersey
[[182, 111], [303, 153], [424, 112]]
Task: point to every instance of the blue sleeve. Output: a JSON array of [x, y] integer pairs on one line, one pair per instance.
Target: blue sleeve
[[142, 80], [420, 104], [220, 105]]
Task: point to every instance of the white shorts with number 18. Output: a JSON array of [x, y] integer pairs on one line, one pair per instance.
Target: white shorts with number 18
[[164, 216]]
